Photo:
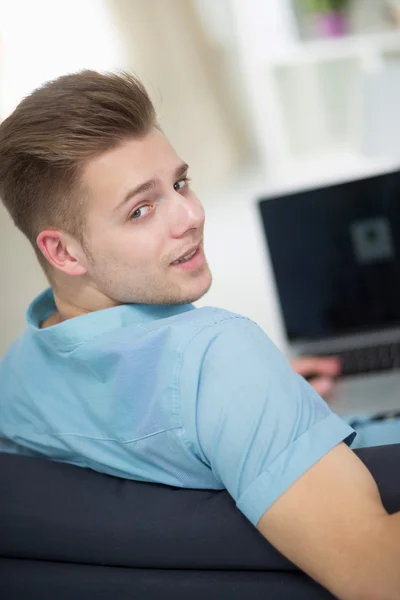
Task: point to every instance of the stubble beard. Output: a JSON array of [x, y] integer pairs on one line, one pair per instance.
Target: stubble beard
[[168, 293]]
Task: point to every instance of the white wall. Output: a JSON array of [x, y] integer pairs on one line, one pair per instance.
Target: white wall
[[42, 39], [21, 279]]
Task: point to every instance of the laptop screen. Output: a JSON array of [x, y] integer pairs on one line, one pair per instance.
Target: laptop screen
[[335, 253]]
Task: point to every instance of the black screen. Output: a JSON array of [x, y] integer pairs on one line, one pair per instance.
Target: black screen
[[335, 256]]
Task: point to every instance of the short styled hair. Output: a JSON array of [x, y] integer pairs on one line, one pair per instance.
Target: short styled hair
[[51, 135]]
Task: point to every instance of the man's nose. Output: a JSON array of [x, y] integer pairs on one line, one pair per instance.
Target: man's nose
[[186, 213]]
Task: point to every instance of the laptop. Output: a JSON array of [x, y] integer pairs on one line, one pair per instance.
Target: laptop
[[335, 255]]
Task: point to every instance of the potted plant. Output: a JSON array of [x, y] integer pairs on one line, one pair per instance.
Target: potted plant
[[330, 16]]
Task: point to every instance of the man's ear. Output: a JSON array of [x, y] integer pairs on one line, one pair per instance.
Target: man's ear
[[62, 252]]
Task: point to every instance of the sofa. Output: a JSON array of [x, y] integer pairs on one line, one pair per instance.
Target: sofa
[[68, 533]]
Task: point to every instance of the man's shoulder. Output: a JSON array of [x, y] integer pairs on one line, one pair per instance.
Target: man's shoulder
[[208, 321], [221, 321], [220, 334], [191, 333], [209, 316]]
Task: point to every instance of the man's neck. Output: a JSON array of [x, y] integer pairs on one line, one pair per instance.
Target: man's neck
[[73, 300], [53, 319]]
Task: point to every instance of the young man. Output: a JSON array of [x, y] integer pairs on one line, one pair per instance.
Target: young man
[[118, 372]]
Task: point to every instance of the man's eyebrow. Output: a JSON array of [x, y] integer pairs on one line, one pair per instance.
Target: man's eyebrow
[[148, 185]]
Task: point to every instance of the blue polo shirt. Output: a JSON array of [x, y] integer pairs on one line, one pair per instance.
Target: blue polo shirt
[[197, 398]]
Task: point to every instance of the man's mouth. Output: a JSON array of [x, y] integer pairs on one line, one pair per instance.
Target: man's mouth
[[190, 261], [185, 258]]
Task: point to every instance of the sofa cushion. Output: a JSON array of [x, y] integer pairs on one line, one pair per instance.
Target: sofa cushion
[[59, 512]]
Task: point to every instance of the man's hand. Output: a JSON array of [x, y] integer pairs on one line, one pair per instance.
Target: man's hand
[[320, 372]]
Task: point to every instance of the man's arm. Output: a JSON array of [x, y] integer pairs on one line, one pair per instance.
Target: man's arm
[[331, 523], [277, 448]]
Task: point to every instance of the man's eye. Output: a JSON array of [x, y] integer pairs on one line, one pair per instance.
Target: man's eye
[[140, 212], [181, 183]]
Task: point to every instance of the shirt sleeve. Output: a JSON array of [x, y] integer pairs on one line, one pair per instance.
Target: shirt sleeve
[[256, 423]]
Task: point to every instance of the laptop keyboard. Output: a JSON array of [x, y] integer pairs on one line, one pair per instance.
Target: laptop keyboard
[[369, 359]]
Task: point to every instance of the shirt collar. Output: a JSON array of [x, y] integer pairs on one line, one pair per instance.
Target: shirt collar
[[77, 330]]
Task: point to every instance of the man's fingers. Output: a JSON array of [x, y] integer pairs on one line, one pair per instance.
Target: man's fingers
[[317, 365], [324, 386]]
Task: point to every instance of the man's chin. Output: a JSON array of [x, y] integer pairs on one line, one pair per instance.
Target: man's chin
[[201, 292], [194, 292]]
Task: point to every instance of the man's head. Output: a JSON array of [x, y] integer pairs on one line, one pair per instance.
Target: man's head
[[102, 196]]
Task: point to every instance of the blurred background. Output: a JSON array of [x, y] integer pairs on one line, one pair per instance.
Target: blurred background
[[260, 97]]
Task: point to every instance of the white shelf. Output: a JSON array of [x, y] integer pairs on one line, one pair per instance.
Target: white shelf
[[317, 98], [357, 46]]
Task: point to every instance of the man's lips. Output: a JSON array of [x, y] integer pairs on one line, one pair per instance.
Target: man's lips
[[196, 261], [188, 254]]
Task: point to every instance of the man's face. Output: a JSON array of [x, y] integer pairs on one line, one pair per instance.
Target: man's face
[[142, 218]]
